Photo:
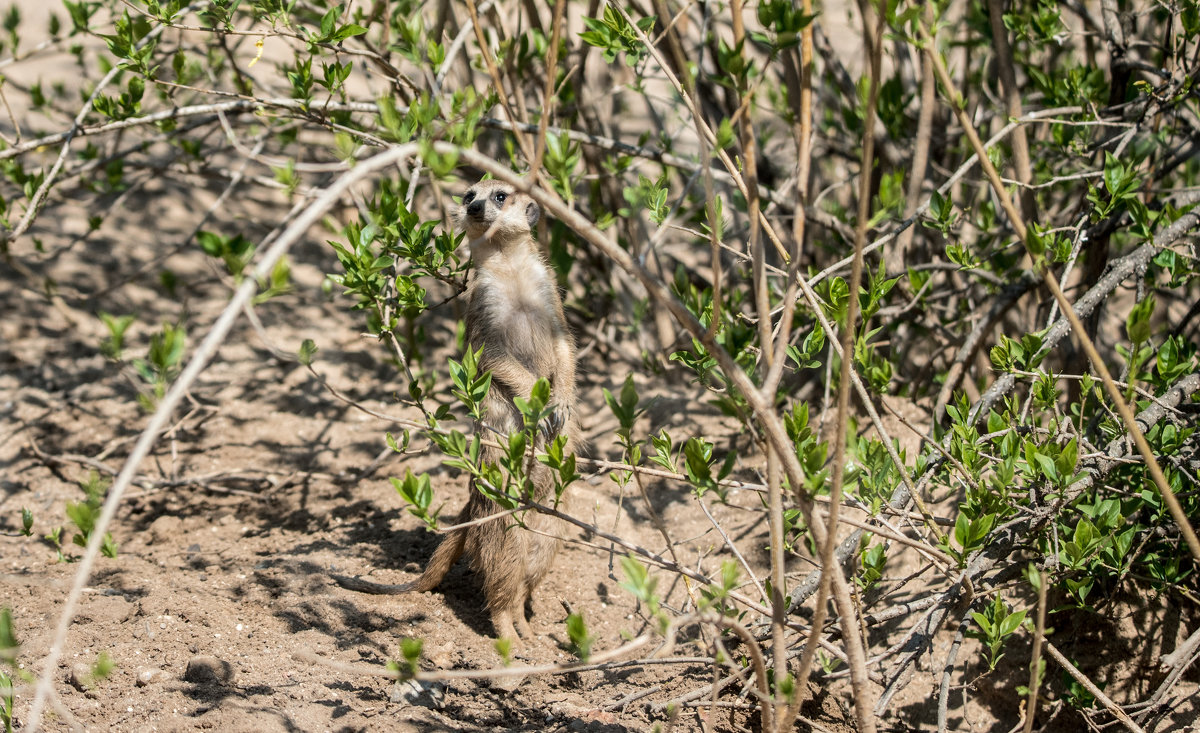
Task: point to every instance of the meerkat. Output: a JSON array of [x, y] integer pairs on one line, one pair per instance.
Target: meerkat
[[515, 313]]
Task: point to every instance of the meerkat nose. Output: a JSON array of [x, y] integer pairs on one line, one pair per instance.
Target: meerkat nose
[[475, 208]]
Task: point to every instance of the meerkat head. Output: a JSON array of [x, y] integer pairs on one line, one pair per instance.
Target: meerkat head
[[497, 212]]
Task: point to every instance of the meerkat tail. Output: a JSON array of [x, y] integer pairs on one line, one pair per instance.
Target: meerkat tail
[[443, 559], [379, 589]]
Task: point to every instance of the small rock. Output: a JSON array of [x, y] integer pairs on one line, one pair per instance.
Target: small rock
[[80, 676], [149, 676], [165, 528], [206, 670]]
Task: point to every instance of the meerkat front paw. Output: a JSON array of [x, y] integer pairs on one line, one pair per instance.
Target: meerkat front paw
[[554, 423]]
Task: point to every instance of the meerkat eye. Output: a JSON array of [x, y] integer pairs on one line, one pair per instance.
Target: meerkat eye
[[500, 197], [469, 197]]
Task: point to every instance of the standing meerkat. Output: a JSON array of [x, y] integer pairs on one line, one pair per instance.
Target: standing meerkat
[[515, 313]]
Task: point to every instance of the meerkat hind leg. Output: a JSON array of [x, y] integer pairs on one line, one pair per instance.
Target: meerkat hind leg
[[518, 614], [508, 616]]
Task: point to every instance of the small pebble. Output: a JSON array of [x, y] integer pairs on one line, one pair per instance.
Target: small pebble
[[80, 676], [149, 676]]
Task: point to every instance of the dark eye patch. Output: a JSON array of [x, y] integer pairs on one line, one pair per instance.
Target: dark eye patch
[[499, 196], [469, 197]]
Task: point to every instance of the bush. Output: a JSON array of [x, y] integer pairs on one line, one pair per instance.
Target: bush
[[990, 209]]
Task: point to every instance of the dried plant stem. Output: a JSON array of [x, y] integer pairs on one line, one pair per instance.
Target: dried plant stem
[[494, 73], [1035, 672], [1012, 103], [920, 158], [687, 89], [1077, 327], [762, 298], [804, 144], [947, 673], [756, 661], [548, 95], [831, 572], [783, 329]]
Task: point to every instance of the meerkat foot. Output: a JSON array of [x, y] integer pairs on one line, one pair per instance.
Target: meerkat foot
[[523, 627], [502, 622]]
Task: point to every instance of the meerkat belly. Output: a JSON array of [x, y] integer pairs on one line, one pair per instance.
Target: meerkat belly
[[516, 321]]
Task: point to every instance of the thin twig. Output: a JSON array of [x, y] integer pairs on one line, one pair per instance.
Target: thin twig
[[1035, 664]]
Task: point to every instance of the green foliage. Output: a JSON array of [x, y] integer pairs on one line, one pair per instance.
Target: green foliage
[[387, 254], [615, 36], [98, 671], [163, 362], [647, 195], [84, 514], [581, 640], [471, 387], [716, 595], [409, 663], [115, 342], [873, 559], [562, 464], [810, 451], [331, 32], [235, 251], [417, 491], [805, 356], [308, 349], [699, 465], [996, 623], [970, 533], [642, 585]]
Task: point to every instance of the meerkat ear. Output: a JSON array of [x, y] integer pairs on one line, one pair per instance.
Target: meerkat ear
[[532, 212]]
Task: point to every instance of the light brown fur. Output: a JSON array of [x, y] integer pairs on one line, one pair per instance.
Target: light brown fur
[[515, 313]]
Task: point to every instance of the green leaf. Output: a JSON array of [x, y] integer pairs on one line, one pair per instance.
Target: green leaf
[[581, 641], [347, 31], [1137, 325], [308, 349]]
